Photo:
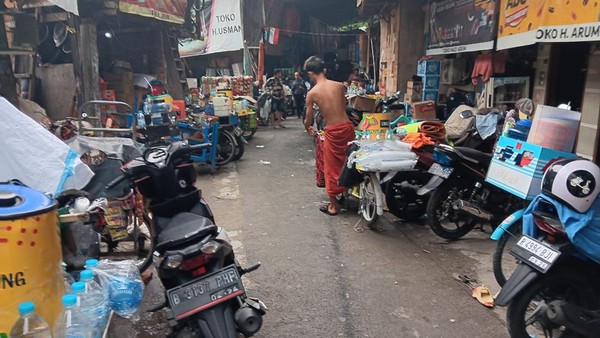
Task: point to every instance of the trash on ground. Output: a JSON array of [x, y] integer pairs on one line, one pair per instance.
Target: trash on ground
[[264, 162], [260, 146], [483, 296]]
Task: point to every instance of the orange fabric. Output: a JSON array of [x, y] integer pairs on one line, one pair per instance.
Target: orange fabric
[[418, 140], [334, 154]]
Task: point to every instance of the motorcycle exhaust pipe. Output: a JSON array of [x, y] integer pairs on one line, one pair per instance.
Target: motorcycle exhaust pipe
[[472, 209], [248, 320]]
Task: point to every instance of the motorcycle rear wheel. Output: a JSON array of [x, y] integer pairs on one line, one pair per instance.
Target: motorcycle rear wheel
[[567, 284], [504, 263], [439, 210]]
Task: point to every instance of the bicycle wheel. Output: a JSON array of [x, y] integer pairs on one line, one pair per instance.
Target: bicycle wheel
[[137, 246], [368, 202], [226, 147]]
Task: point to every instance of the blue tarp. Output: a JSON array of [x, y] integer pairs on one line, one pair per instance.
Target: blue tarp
[[583, 229]]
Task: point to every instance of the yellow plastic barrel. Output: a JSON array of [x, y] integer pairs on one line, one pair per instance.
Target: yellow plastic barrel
[[30, 254]]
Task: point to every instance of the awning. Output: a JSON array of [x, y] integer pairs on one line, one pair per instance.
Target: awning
[[164, 10], [534, 21], [67, 5]]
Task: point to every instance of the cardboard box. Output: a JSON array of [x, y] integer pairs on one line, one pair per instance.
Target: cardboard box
[[430, 95], [429, 67], [374, 122], [413, 87], [518, 167], [554, 128], [431, 82], [363, 103], [412, 98], [424, 110]]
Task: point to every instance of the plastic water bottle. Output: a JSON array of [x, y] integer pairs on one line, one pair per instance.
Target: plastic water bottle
[[72, 323], [92, 264], [141, 119], [125, 296], [92, 306], [244, 104], [29, 325], [94, 291], [68, 279]]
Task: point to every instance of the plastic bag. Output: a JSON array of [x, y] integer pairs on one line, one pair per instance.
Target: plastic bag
[[35, 156], [266, 110], [124, 283]]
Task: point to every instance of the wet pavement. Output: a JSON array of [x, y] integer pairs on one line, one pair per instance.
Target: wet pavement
[[321, 276]]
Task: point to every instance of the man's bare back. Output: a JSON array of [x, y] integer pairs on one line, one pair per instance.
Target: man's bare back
[[330, 97]]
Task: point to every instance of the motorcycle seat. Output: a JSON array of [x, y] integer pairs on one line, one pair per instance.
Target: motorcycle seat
[[184, 227], [473, 155]]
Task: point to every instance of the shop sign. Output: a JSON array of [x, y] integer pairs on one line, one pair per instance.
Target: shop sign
[[165, 10], [219, 27], [457, 26], [525, 22]]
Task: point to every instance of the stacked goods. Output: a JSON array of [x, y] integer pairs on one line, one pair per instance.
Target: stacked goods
[[240, 85], [414, 91], [429, 71]]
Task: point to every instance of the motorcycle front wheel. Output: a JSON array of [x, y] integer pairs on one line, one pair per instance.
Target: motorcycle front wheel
[[368, 202], [401, 195], [239, 150], [504, 263], [526, 314], [442, 218], [226, 147]]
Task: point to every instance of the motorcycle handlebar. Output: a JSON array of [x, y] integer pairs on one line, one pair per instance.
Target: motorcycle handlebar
[[114, 182]]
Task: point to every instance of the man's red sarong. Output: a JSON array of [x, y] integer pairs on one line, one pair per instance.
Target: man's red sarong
[[334, 154]]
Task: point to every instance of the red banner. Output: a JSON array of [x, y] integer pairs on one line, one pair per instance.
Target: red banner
[[164, 10]]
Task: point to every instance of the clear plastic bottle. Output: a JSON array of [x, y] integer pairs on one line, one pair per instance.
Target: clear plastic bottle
[[30, 325], [141, 119], [68, 279], [92, 264], [72, 323], [95, 297], [91, 307]]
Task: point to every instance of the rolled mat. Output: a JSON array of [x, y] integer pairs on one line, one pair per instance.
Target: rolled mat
[[434, 130]]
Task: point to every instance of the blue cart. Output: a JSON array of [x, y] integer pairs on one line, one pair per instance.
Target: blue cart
[[211, 135]]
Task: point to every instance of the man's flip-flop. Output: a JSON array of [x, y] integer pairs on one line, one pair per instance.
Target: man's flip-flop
[[325, 209]]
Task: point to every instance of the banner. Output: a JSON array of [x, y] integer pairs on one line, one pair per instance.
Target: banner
[[219, 27], [525, 22], [461, 26], [165, 10]]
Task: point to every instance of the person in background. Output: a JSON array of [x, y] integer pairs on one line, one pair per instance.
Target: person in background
[[274, 86], [299, 93], [354, 76], [329, 96]]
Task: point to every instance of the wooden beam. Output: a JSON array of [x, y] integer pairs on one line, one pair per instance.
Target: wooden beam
[[55, 17]]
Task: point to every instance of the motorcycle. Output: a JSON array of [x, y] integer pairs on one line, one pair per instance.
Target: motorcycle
[[461, 196], [194, 258], [554, 290]]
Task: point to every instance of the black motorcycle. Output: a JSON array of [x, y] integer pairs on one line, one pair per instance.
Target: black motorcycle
[[461, 198], [194, 258], [554, 290]]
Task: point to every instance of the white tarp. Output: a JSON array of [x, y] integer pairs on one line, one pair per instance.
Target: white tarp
[[220, 27], [35, 156], [67, 5]]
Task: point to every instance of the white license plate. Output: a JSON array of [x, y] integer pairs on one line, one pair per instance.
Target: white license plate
[[535, 253], [439, 170]]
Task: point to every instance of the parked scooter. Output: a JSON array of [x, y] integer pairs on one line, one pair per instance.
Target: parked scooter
[[554, 290], [461, 197], [194, 258]]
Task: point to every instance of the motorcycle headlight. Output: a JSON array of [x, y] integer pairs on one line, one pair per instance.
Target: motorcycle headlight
[[173, 262], [210, 248]]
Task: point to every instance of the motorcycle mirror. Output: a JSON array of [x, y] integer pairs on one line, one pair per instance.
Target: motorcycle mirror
[[466, 114], [93, 157]]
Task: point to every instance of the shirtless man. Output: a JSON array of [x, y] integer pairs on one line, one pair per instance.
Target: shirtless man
[[329, 96]]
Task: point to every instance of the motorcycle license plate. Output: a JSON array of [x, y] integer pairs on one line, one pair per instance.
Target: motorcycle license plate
[[534, 253], [205, 292], [439, 170], [238, 131]]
